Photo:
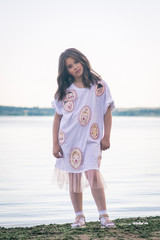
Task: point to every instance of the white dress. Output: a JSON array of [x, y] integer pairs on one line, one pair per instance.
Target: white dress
[[81, 126]]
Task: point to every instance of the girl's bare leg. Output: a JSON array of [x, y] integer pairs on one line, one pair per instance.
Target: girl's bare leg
[[76, 191], [76, 199], [97, 189], [99, 198], [98, 193]]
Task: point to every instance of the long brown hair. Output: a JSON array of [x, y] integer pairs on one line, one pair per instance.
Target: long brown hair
[[64, 80]]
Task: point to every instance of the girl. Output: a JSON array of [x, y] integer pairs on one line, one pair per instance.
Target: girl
[[81, 130]]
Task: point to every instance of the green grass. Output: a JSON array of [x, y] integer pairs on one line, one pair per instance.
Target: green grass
[[125, 229]]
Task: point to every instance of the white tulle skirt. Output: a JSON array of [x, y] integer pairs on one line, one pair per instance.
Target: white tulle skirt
[[76, 182]]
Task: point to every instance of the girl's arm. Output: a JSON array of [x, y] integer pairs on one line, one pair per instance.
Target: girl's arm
[[57, 151], [105, 142]]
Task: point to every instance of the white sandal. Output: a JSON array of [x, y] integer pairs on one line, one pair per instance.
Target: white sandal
[[106, 222], [79, 222]]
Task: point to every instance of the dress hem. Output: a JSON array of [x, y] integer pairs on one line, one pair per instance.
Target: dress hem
[[77, 182]]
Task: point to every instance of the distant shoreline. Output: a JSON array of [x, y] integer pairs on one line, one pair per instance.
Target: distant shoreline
[[36, 111]]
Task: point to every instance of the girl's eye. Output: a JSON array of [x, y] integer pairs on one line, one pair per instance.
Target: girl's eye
[[76, 61], [69, 66]]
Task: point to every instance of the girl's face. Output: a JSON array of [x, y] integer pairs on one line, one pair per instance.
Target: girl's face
[[74, 68]]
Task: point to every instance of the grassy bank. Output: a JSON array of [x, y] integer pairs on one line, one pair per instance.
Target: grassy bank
[[127, 228]]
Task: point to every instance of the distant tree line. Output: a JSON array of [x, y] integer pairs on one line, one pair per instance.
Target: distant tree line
[[24, 111], [36, 111], [136, 112]]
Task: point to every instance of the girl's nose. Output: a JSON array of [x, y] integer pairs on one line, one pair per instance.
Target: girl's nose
[[75, 66]]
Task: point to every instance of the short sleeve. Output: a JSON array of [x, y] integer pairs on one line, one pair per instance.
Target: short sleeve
[[108, 100], [57, 106]]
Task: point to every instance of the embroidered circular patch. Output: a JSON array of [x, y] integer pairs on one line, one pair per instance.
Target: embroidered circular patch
[[71, 95], [61, 137], [68, 105], [76, 158], [84, 115], [94, 131], [99, 88], [99, 160]]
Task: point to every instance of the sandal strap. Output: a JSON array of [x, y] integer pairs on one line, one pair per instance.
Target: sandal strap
[[104, 216], [106, 221], [79, 221], [79, 217]]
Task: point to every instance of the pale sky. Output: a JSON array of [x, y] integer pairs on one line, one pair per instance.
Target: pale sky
[[121, 39]]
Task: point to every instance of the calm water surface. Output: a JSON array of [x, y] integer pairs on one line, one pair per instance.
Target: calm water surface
[[131, 168]]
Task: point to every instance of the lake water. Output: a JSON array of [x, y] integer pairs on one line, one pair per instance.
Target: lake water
[[131, 168]]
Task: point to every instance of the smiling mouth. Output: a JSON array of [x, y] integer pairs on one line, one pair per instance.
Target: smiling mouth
[[78, 71]]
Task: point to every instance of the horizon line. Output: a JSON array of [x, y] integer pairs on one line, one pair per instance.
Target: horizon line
[[137, 107]]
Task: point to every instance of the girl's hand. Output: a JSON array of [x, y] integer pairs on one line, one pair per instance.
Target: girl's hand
[[105, 144], [57, 151]]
